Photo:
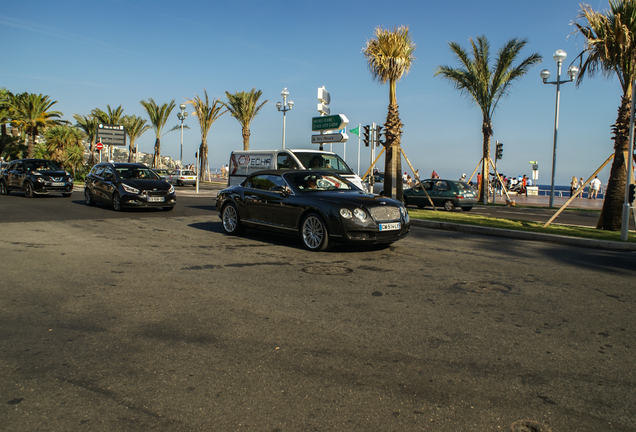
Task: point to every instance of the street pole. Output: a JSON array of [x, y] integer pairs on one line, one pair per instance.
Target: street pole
[[559, 57], [284, 107], [182, 116], [359, 133]]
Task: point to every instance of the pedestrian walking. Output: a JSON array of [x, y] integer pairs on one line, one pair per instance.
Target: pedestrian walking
[[574, 185], [595, 186]]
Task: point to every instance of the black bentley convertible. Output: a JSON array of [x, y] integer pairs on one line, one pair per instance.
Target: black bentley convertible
[[322, 207]]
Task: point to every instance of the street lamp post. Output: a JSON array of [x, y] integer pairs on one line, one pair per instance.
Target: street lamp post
[[559, 57], [182, 116], [284, 107]]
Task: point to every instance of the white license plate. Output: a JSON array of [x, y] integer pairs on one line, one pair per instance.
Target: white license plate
[[390, 226], [57, 184], [155, 199]]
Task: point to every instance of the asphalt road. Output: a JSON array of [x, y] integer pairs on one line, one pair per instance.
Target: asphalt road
[[152, 320]]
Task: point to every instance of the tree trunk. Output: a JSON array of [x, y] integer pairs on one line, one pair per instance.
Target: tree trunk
[[31, 144], [393, 186], [156, 159], [486, 129], [203, 151], [246, 138], [612, 214]]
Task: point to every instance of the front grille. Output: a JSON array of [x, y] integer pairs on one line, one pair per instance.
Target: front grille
[[385, 213], [157, 193], [57, 179]]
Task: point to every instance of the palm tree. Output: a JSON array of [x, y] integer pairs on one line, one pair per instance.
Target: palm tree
[[476, 80], [389, 56], [31, 114], [242, 106], [110, 116], [206, 114], [610, 48], [135, 127], [88, 125], [159, 115], [59, 139]]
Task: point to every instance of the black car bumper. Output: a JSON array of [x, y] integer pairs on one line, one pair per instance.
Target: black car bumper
[[144, 201], [57, 187], [375, 236]]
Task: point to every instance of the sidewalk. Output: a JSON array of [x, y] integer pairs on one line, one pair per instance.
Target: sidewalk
[[544, 201]]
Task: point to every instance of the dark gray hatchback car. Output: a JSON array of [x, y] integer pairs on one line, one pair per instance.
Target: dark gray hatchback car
[[128, 185], [449, 194]]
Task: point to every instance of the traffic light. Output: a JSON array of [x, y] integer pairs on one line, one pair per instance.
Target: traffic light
[[365, 135], [499, 150], [632, 193], [378, 135]]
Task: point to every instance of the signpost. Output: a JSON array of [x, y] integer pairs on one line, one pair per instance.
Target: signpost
[[329, 138], [114, 135], [99, 146], [332, 122]]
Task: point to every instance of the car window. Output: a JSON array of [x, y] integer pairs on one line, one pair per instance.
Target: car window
[[428, 185], [463, 186], [265, 182], [187, 173], [285, 161], [97, 170], [441, 186], [320, 182], [108, 173]]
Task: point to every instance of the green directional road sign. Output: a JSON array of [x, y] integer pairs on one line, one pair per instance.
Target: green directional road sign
[[332, 122]]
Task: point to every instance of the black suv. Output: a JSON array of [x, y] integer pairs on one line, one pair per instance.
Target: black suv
[[35, 176], [128, 185]]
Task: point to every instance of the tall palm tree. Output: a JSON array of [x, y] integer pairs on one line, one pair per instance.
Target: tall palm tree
[[32, 113], [135, 127], [243, 107], [5, 116], [485, 85], [88, 125], [159, 115], [206, 114], [389, 56], [110, 116], [610, 48]]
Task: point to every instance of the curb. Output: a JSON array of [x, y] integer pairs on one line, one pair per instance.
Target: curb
[[524, 235]]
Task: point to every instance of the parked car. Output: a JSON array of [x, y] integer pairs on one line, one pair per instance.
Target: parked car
[[182, 177], [321, 207], [35, 177], [444, 193], [162, 172], [378, 184], [128, 185]]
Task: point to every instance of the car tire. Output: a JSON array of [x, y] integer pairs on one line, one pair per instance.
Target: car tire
[[231, 220], [467, 208], [179, 183], [3, 189], [314, 233], [449, 205], [28, 190], [88, 198], [116, 202]]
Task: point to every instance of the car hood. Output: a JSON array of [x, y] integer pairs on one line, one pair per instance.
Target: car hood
[[52, 173], [148, 184], [358, 199]]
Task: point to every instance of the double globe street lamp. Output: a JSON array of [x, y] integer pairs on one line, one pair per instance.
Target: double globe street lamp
[[182, 116], [559, 57], [284, 107]]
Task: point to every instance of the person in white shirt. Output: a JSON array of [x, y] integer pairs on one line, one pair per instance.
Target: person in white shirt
[[595, 186]]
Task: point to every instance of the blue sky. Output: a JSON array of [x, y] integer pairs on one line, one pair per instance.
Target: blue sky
[[87, 55]]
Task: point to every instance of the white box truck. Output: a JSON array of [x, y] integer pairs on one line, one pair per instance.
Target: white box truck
[[243, 163]]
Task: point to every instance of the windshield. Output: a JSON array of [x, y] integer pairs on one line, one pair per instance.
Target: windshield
[[319, 182], [43, 165], [323, 162], [136, 173]]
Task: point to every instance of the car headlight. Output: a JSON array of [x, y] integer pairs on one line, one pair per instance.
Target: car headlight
[[360, 214], [130, 189], [40, 179], [405, 214], [346, 213], [171, 190]]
